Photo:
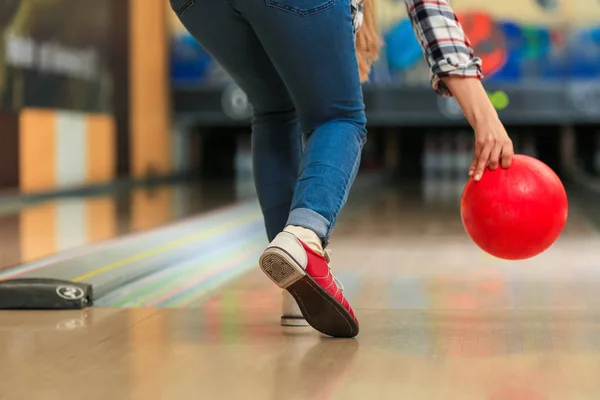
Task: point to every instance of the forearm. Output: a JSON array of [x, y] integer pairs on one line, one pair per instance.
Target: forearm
[[472, 98], [446, 48]]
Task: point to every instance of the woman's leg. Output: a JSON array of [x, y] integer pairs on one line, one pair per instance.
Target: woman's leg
[[313, 51], [311, 44], [312, 48], [276, 154], [276, 139]]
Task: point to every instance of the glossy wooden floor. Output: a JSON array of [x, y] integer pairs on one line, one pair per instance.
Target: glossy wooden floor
[[439, 320]]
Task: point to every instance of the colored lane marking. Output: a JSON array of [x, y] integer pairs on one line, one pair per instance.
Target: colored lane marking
[[210, 286], [169, 246], [199, 278], [180, 276], [207, 279], [206, 219], [156, 281]]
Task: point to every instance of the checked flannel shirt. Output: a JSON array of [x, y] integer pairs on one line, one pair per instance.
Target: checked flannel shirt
[[446, 48]]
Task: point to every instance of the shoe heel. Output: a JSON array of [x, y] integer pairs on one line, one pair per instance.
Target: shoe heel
[[280, 267]]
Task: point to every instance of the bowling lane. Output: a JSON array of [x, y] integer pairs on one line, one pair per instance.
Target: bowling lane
[[439, 320], [38, 229]]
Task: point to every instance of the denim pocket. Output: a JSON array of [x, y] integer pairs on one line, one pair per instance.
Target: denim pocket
[[181, 6], [302, 8]]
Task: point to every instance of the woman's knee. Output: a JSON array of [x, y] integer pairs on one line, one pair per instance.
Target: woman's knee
[[274, 115], [354, 119]]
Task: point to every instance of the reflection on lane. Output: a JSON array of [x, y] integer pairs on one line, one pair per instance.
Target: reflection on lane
[[47, 228]]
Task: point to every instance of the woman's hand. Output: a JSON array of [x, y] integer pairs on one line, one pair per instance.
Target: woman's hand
[[493, 147]]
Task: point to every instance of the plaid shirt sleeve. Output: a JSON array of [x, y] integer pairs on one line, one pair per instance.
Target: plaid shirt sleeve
[[446, 48]]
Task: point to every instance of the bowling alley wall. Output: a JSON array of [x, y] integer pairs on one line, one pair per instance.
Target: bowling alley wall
[[86, 85], [84, 96], [520, 41]]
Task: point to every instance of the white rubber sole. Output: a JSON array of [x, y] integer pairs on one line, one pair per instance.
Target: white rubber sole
[[294, 321], [282, 260]]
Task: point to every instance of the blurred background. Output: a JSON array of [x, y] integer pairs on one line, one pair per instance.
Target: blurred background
[[105, 96], [125, 163]]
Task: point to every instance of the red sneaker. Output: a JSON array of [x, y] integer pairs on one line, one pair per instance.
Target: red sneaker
[[290, 312], [306, 275]]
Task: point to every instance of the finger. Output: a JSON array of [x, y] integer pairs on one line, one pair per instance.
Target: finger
[[473, 166], [494, 160], [507, 155], [482, 162], [476, 155]]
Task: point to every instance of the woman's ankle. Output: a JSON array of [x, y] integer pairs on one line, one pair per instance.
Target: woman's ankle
[[307, 236]]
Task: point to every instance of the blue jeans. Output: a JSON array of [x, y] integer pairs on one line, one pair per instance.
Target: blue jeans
[[296, 62]]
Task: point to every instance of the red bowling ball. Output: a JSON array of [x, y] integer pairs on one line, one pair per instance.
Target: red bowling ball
[[515, 213]]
